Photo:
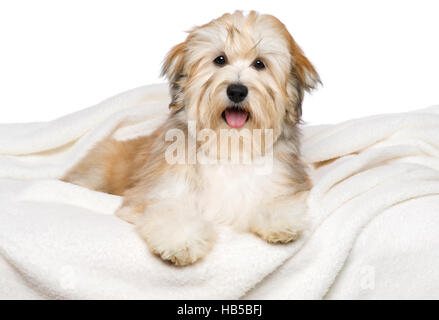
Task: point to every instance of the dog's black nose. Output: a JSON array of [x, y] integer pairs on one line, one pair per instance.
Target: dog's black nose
[[237, 92]]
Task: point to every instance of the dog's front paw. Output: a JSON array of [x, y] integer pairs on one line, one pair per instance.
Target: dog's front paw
[[278, 234], [175, 236], [280, 224]]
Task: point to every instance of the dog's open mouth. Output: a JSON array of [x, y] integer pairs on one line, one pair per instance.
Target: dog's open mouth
[[235, 117]]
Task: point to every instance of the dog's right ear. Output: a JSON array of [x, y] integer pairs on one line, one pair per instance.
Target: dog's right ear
[[173, 70]]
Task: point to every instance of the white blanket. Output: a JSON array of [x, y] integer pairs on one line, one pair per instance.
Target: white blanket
[[374, 207]]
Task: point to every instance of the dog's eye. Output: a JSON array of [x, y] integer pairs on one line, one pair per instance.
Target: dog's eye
[[220, 60], [258, 64]]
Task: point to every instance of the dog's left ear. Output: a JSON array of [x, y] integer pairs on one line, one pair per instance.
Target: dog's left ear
[[173, 70], [304, 71], [303, 77]]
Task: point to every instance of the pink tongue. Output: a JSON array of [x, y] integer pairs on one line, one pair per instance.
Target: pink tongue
[[236, 118]]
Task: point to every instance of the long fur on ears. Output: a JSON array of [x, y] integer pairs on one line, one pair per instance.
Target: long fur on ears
[[304, 76], [173, 70]]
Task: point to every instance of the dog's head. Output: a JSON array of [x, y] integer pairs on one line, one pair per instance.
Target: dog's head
[[239, 71]]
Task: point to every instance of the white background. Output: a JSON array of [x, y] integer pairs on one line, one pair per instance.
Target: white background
[[57, 57]]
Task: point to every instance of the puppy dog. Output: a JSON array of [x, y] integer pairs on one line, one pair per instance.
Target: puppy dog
[[241, 75]]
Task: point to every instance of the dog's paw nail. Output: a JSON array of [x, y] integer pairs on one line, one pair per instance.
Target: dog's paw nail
[[281, 236]]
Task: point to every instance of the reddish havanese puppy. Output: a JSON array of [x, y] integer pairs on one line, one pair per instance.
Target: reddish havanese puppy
[[236, 85]]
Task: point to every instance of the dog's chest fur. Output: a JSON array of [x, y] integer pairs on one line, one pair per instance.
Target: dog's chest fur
[[227, 193]]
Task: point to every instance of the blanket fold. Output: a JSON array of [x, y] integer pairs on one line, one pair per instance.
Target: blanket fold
[[374, 210]]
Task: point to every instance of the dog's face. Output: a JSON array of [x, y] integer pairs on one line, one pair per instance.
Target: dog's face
[[240, 71]]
